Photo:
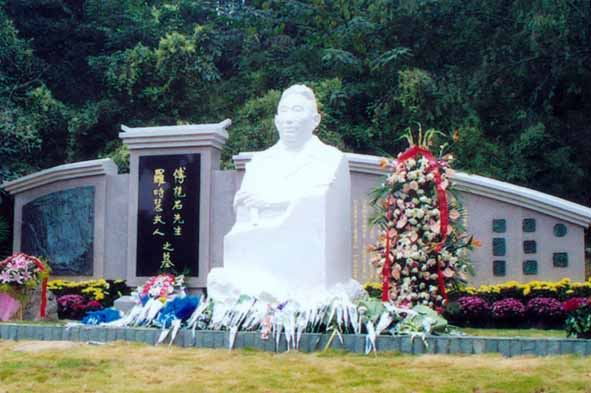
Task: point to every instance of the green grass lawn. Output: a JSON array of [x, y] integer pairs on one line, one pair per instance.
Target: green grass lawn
[[132, 367]]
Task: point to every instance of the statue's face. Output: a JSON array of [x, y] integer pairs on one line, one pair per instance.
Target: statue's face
[[295, 120]]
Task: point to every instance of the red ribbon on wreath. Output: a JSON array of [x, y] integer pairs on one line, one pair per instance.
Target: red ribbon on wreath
[[386, 269], [412, 152], [43, 308]]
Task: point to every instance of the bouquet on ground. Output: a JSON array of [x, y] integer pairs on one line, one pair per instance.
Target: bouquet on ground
[[423, 246], [19, 274], [162, 301], [161, 287]]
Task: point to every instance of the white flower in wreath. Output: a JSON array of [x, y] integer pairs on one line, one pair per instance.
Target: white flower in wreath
[[154, 291], [425, 199]]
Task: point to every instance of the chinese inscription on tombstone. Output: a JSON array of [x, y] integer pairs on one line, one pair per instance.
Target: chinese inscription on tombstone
[[168, 216]]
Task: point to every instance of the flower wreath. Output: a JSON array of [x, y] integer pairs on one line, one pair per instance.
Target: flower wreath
[[24, 271], [165, 281]]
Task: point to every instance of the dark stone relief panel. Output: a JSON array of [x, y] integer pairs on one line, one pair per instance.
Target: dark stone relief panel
[[60, 227]]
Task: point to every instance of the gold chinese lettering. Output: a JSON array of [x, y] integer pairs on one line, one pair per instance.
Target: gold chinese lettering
[[166, 262], [365, 259], [177, 230], [177, 219], [179, 175], [159, 176], [178, 192]]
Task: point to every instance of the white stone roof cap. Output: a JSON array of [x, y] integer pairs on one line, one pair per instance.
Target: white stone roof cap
[[76, 170], [190, 135]]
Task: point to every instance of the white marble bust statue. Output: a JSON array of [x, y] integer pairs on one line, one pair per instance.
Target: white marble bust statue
[[292, 232]]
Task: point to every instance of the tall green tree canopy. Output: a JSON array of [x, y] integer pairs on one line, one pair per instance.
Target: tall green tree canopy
[[513, 78]]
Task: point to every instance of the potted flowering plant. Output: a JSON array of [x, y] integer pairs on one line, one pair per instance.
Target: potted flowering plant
[[19, 274]]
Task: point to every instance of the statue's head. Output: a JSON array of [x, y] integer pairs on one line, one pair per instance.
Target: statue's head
[[297, 116]]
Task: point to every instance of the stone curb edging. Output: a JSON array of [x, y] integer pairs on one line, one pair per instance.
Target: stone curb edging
[[310, 342]]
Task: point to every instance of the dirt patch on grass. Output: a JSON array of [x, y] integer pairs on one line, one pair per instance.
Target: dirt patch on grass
[[40, 346]]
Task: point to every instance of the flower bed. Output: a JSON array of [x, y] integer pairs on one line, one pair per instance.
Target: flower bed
[[75, 298], [536, 304], [560, 290]]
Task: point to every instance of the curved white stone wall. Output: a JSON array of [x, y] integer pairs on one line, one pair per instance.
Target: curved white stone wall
[[486, 200]]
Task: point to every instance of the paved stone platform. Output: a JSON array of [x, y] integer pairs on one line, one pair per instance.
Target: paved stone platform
[[506, 346]]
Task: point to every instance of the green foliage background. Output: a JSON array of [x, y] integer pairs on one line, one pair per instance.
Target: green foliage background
[[512, 77]]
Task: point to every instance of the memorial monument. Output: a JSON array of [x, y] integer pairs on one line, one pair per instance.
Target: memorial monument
[[291, 238]]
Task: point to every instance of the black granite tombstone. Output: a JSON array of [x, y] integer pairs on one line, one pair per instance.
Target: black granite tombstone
[[168, 214]]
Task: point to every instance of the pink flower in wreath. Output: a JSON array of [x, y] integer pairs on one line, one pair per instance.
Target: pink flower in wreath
[[5, 276]]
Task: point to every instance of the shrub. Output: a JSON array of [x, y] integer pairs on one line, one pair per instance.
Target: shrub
[[545, 309], [473, 308], [508, 310], [75, 306], [578, 322]]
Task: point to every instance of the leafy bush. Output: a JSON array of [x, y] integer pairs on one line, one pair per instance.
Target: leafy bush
[[508, 310], [75, 306], [545, 309], [474, 309], [578, 322]]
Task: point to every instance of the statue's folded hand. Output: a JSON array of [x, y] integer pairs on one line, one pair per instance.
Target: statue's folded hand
[[252, 200]]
